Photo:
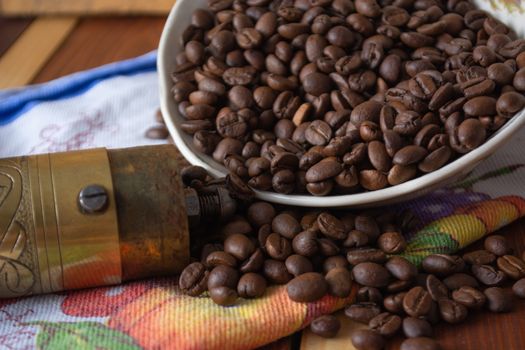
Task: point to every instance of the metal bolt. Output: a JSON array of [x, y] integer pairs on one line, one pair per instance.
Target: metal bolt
[[214, 205], [93, 199]]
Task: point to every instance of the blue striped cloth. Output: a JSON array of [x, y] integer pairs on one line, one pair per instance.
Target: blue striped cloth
[[14, 102]]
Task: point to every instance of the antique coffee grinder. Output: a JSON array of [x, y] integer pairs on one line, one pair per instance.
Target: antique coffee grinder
[[96, 217]]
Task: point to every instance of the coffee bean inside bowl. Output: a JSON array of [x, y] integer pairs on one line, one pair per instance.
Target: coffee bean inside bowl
[[337, 97]]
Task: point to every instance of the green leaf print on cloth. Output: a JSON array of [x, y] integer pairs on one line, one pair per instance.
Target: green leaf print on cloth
[[81, 336]]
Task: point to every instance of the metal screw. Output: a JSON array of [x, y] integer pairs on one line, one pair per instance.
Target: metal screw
[[93, 199]]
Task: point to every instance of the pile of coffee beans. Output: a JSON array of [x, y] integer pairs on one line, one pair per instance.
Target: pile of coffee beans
[[344, 96], [315, 253]]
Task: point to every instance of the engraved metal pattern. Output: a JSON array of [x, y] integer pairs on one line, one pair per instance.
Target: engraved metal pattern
[[16, 276], [46, 243]]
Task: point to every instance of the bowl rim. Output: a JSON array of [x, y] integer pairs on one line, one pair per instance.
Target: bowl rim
[[371, 198]]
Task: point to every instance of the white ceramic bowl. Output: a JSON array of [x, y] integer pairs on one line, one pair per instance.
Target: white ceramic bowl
[[170, 45]]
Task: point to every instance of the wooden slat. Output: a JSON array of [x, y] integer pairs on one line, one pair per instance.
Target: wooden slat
[[10, 30], [83, 7], [281, 344], [97, 41], [33, 48]]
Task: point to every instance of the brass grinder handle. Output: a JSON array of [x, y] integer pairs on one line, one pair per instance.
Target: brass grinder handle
[[57, 233]]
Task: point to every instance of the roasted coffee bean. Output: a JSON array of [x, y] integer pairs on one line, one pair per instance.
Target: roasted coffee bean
[[488, 275], [481, 105], [497, 300], [394, 303], [415, 327], [367, 225], [305, 243], [355, 239], [239, 246], [469, 297], [459, 280], [331, 226], [307, 287], [401, 268], [317, 83], [420, 343], [510, 103], [339, 282], [260, 213], [318, 133], [409, 155], [417, 302], [223, 275], [368, 8], [443, 95], [518, 288], [251, 285], [479, 257], [371, 274], [283, 181], [223, 295], [378, 156], [324, 170], [327, 247], [359, 255], [366, 111], [452, 311], [366, 339], [512, 266], [519, 80], [286, 225], [470, 134], [477, 87], [220, 258], [275, 272], [326, 326], [372, 179], [333, 262], [194, 279], [253, 263], [425, 84], [369, 131], [435, 160], [399, 174], [442, 265], [398, 286], [298, 264], [437, 289], [497, 245], [226, 146], [193, 172], [391, 243], [278, 247], [362, 312], [385, 324], [369, 294]]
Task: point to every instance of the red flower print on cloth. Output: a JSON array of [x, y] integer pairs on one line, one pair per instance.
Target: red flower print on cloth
[[79, 133], [102, 302]]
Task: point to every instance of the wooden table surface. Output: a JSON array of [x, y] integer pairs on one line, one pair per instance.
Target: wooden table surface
[[91, 42]]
